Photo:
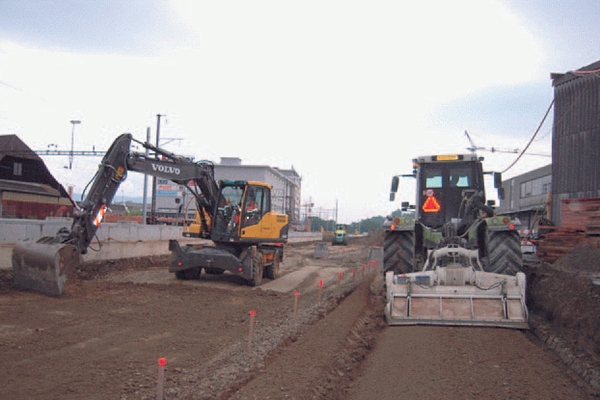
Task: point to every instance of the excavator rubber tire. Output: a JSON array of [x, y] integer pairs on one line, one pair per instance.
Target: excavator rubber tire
[[503, 253], [272, 270], [399, 252], [257, 269]]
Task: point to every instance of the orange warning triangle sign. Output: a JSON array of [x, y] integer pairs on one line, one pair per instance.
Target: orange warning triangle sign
[[431, 205]]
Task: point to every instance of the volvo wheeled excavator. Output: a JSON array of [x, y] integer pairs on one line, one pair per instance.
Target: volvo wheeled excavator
[[453, 261], [247, 236]]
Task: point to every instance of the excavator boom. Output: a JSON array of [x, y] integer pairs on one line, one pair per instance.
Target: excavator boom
[[42, 265]]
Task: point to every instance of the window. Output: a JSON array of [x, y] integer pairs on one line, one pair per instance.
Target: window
[[433, 178], [232, 195], [460, 177], [257, 203], [536, 187], [18, 169]]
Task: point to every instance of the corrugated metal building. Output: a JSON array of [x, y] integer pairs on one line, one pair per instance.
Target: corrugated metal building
[[576, 137], [27, 188]]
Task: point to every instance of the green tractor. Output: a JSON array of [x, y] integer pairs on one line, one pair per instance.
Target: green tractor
[[454, 261]]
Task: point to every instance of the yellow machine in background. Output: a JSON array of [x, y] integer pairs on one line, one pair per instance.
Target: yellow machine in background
[[194, 228]]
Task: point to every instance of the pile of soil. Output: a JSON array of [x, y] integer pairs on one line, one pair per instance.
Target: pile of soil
[[564, 306]]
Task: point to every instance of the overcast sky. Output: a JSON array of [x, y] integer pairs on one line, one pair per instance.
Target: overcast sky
[[345, 92]]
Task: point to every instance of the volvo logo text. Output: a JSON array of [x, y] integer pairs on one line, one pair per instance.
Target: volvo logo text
[[166, 169]]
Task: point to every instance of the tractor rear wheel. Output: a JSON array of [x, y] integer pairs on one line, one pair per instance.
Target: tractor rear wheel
[[504, 255], [399, 252]]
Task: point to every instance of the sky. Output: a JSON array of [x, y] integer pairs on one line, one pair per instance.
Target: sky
[[345, 92]]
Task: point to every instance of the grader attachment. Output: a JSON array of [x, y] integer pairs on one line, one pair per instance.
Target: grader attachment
[[42, 266], [456, 296]]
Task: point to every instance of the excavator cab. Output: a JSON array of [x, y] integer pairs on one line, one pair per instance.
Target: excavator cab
[[244, 213]]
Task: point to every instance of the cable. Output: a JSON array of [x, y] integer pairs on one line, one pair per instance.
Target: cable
[[576, 73], [533, 137]]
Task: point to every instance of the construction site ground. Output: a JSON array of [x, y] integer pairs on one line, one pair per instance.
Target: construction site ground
[[103, 337]]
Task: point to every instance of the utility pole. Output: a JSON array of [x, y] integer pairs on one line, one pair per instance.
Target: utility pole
[[144, 201], [73, 123], [153, 211]]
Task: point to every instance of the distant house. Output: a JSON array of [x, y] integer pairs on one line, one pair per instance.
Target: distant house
[[27, 188]]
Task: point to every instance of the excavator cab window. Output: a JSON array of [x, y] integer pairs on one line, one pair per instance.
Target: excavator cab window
[[257, 203], [228, 209]]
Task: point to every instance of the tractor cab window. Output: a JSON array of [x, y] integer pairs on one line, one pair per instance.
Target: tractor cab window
[[459, 177], [433, 178]]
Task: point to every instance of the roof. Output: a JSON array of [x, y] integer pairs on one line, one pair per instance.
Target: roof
[[560, 78], [12, 145], [28, 187]]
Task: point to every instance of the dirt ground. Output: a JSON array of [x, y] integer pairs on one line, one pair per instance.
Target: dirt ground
[[102, 339]]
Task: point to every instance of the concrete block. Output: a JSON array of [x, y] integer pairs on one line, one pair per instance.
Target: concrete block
[[50, 226], [12, 232]]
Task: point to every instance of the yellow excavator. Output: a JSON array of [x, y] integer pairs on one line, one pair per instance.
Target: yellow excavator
[[247, 236]]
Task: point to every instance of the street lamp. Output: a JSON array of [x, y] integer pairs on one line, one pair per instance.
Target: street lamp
[[73, 122]]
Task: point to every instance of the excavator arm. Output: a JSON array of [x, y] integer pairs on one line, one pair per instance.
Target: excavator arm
[[42, 265], [196, 177]]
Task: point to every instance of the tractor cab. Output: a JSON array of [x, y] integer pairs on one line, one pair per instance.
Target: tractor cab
[[443, 182]]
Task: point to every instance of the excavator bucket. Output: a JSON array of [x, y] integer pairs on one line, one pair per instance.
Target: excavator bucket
[[41, 266], [456, 296]]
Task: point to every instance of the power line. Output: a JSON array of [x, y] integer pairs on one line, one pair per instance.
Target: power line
[[533, 137]]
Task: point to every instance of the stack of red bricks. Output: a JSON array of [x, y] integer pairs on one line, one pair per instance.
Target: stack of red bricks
[[580, 227]]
